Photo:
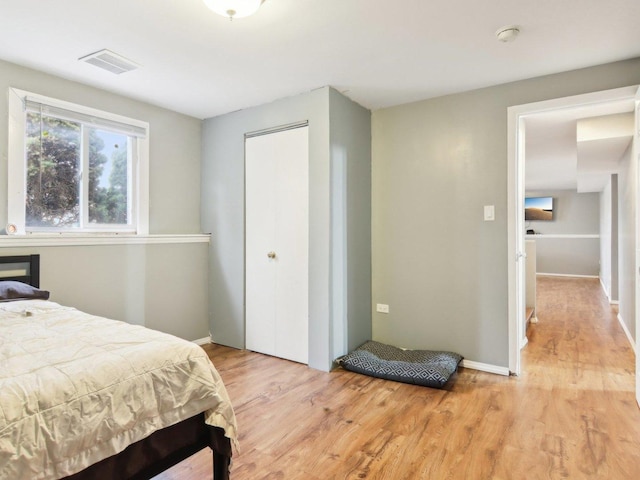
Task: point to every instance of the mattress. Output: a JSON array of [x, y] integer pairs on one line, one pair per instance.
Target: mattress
[[77, 388]]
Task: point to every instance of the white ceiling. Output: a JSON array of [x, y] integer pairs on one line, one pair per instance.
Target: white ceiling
[[378, 52], [558, 158]]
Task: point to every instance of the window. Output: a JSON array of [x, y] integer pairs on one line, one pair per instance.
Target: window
[[75, 169]]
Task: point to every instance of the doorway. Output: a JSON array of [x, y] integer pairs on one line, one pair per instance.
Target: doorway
[[517, 116]]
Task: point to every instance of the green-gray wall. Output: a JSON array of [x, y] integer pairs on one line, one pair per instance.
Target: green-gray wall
[[159, 285], [627, 215], [350, 139], [332, 301], [573, 214], [439, 266]]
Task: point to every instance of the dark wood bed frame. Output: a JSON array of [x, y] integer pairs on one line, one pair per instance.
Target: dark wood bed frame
[[31, 264], [160, 450]]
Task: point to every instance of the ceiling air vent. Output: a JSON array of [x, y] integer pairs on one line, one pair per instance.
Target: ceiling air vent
[[110, 61]]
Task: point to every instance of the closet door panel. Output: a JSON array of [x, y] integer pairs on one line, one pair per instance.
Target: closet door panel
[[277, 243], [292, 239], [260, 227]]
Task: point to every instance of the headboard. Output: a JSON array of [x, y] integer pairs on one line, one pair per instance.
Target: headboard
[[23, 268]]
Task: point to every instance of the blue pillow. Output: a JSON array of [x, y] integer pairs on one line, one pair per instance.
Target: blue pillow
[[11, 290]]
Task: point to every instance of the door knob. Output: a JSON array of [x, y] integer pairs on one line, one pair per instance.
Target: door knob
[[271, 254]]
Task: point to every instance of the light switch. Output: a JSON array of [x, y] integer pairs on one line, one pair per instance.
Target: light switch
[[382, 308], [489, 213]]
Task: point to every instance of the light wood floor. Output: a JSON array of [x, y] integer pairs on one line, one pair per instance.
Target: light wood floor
[[572, 414]]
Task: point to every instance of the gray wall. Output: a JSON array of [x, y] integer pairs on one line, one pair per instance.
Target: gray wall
[[350, 137], [162, 286], [439, 266], [627, 198], [574, 214], [609, 238], [223, 216]]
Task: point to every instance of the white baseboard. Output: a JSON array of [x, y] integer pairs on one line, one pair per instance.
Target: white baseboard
[[626, 332], [565, 275], [485, 367], [606, 292], [202, 341], [604, 289]]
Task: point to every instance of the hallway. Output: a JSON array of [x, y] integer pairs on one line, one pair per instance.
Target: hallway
[[581, 365]]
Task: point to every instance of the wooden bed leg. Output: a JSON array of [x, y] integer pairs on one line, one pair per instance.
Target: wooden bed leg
[[221, 464], [221, 447]]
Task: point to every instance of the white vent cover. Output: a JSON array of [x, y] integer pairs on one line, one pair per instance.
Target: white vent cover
[[110, 61]]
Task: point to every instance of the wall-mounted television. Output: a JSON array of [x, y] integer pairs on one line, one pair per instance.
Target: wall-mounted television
[[538, 208]]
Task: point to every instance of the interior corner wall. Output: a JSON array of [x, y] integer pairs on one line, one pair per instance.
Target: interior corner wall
[[350, 131], [606, 241], [627, 198], [615, 275], [442, 270], [223, 193]]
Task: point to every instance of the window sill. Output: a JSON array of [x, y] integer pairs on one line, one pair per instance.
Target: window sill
[[66, 240]]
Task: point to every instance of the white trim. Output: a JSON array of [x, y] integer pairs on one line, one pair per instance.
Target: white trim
[[525, 340], [515, 237], [565, 275], [141, 206], [537, 236], [74, 107], [15, 162], [202, 341], [628, 334], [604, 288], [66, 240], [485, 367]]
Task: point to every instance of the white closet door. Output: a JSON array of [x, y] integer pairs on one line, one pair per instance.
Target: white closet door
[[277, 244]]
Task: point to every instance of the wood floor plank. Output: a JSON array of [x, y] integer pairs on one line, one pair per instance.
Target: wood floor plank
[[571, 414]]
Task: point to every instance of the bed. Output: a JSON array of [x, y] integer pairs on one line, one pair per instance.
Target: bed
[[85, 397]]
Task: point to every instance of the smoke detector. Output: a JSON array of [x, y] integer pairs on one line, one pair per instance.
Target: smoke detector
[[508, 34], [110, 61]]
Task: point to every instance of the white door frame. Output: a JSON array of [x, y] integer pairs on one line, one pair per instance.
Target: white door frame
[[635, 152], [515, 204]]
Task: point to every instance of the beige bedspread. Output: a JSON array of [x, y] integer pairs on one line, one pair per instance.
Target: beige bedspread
[[76, 388]]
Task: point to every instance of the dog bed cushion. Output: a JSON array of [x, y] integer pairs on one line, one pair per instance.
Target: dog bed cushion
[[419, 367]]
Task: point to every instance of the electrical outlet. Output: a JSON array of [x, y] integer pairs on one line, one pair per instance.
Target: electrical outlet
[[382, 308]]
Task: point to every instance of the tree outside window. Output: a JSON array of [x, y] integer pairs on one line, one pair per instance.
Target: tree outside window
[[56, 154]]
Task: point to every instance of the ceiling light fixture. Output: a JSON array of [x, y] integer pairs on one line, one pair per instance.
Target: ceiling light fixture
[[234, 8], [508, 34]]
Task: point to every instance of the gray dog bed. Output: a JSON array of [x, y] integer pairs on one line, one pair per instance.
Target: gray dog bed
[[420, 367]]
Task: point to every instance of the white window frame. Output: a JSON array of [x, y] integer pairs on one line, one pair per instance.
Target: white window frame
[[17, 183]]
